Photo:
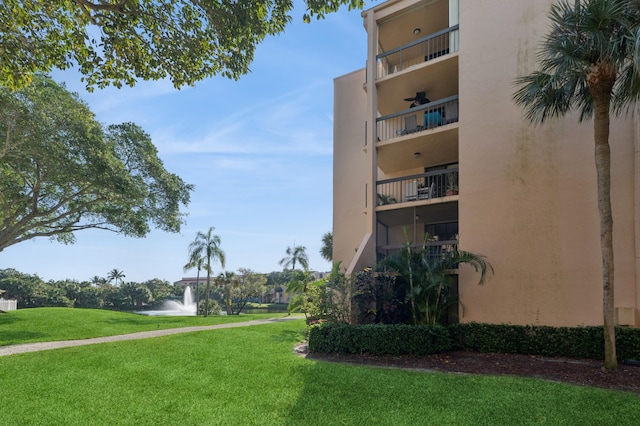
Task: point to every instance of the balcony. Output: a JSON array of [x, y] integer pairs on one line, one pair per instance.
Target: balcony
[[419, 119], [426, 186], [433, 249], [418, 52]]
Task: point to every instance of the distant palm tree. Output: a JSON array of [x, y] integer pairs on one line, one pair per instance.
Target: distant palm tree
[[589, 62], [326, 251], [115, 274], [207, 246], [97, 281], [295, 255], [199, 264], [227, 279]]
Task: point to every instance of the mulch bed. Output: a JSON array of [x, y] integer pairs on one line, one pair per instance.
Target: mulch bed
[[576, 371]]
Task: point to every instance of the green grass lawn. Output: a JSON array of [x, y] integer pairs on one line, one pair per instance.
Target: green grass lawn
[[249, 376], [52, 324]]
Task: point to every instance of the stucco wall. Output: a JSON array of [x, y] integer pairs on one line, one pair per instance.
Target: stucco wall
[[528, 194], [351, 165]]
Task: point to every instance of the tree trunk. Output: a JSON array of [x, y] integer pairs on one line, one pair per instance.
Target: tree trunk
[[227, 296], [206, 296], [197, 294], [603, 169]]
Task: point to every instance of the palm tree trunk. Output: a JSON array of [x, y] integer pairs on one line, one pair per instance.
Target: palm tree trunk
[[411, 289], [603, 168], [206, 296], [197, 291], [227, 296]]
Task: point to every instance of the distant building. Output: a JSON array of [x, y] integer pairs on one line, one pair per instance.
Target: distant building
[[189, 281]]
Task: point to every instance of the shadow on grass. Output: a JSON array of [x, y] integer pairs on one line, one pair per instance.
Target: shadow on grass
[[350, 394], [19, 337], [286, 336], [124, 320], [6, 319]]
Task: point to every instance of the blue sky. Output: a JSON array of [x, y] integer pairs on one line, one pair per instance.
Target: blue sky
[[258, 150]]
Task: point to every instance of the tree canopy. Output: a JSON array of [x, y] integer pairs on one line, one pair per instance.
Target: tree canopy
[[245, 286], [62, 171], [206, 248], [31, 291], [326, 251], [116, 42], [115, 275], [296, 255]]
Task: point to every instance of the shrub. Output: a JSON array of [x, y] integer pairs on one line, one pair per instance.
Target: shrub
[[628, 343], [379, 339], [379, 298], [327, 299], [399, 339], [571, 342]]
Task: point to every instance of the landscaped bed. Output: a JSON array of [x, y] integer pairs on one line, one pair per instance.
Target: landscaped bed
[[581, 372]]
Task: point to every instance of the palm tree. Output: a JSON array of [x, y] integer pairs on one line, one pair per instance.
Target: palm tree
[[326, 251], [115, 274], [227, 279], [295, 255], [97, 281], [198, 263], [427, 276], [587, 63], [207, 247]]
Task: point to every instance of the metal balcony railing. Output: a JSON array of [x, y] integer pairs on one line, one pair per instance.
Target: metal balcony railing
[[432, 249], [424, 49], [418, 119], [436, 184]]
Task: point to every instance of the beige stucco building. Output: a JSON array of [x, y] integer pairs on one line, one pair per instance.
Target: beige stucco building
[[467, 169]]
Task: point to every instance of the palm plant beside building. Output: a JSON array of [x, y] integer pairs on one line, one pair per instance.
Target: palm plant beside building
[[428, 279]]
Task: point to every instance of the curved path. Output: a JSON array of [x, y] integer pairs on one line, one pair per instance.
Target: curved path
[[43, 346]]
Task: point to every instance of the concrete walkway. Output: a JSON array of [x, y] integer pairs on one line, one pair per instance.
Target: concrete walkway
[[43, 346]]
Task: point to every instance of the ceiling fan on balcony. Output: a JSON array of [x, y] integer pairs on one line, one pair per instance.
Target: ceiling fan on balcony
[[419, 99]]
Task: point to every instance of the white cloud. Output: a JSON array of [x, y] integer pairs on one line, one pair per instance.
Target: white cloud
[[287, 124]]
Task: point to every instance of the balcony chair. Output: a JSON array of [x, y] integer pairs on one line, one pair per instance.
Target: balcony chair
[[426, 192], [410, 124], [411, 191], [437, 54]]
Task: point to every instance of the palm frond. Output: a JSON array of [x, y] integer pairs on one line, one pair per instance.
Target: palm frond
[[583, 34], [428, 278], [477, 261], [543, 96], [626, 91]]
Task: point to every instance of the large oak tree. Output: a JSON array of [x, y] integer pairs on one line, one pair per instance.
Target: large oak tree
[[62, 171], [120, 41]]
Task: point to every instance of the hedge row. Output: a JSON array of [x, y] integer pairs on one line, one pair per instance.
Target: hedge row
[[393, 339], [571, 342], [375, 339]]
